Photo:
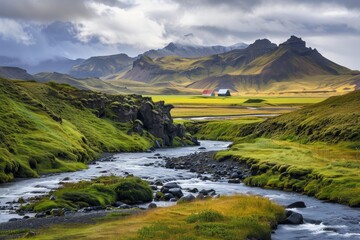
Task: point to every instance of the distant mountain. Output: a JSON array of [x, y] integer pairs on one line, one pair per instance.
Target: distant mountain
[[57, 64], [94, 84], [261, 67], [102, 66], [191, 51], [15, 73]]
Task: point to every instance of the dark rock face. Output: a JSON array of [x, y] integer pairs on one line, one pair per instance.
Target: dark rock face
[[297, 44], [155, 118]]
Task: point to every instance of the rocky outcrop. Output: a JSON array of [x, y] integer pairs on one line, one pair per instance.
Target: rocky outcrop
[[142, 112]]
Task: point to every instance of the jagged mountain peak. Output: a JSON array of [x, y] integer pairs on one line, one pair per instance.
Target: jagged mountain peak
[[262, 43], [295, 43]]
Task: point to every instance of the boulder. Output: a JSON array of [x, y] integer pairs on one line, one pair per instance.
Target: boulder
[[193, 190], [299, 204], [168, 196], [40, 215], [235, 175], [187, 198], [207, 192], [293, 218], [152, 205], [171, 185], [176, 192]]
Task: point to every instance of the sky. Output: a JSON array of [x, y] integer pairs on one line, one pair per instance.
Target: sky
[[35, 30]]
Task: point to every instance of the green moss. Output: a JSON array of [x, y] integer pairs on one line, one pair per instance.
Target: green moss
[[133, 190], [101, 191], [44, 130]]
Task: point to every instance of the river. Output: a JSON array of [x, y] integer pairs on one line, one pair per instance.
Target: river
[[323, 220]]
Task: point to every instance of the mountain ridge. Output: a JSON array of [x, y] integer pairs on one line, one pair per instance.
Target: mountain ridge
[[262, 66], [190, 50]]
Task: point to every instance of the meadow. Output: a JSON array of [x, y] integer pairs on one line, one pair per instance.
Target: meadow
[[197, 106], [236, 217]]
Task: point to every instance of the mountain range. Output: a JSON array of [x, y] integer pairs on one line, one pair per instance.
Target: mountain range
[[261, 67]]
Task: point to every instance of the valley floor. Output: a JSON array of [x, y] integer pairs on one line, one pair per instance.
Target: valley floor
[[199, 106]]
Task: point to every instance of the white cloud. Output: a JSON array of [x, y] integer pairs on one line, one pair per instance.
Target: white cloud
[[12, 30], [113, 25]]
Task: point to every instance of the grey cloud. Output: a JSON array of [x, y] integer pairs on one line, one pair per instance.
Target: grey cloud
[[55, 25], [43, 10]]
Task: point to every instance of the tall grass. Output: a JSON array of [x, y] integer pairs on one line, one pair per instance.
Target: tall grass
[[236, 217]]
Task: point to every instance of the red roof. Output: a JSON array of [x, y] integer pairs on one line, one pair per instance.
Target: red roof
[[207, 91]]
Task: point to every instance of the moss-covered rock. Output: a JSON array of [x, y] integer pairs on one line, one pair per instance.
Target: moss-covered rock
[[133, 190]]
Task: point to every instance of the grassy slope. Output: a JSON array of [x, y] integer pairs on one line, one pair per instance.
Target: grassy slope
[[33, 141], [94, 84], [315, 150], [237, 217]]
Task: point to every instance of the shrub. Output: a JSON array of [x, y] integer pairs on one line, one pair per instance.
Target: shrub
[[254, 100]]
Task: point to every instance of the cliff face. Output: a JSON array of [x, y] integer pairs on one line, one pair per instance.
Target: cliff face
[[153, 117]]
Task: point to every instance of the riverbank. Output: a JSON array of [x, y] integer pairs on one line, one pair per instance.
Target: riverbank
[[314, 151], [322, 220], [240, 217]]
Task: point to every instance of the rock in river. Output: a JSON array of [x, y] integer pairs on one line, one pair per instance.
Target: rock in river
[[299, 204], [293, 218]]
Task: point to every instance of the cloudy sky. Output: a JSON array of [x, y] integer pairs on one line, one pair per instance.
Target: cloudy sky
[[34, 30]]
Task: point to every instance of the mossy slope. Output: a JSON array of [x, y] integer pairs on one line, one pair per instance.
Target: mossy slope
[[48, 128]]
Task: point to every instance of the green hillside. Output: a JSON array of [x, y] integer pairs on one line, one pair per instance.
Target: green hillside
[[315, 150], [334, 120], [94, 84], [52, 127]]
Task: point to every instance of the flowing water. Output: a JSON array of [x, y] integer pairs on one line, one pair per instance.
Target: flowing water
[[323, 220]]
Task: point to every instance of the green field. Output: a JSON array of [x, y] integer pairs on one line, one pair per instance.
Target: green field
[[198, 106], [233, 100]]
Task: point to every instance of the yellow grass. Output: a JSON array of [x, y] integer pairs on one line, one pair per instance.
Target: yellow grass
[[233, 101], [242, 217]]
